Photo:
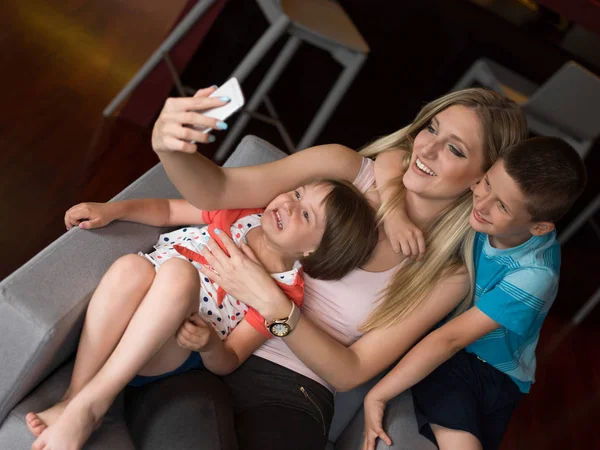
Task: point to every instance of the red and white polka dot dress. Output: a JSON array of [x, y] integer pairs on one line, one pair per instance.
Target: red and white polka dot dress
[[226, 315]]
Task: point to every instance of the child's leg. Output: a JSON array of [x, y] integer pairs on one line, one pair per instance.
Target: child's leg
[[449, 439], [174, 294], [113, 304]]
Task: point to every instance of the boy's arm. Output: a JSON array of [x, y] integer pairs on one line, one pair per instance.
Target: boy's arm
[[388, 169], [150, 211], [220, 357], [402, 233], [436, 348], [514, 303]]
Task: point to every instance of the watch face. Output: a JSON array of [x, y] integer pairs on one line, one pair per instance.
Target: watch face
[[280, 329]]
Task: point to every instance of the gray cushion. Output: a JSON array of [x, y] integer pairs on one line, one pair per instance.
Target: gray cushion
[[347, 405], [14, 434], [399, 422]]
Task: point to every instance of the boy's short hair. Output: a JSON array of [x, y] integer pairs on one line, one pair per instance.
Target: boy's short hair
[[350, 233], [549, 172]]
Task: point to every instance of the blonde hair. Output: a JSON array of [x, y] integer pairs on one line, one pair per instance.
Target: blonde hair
[[449, 238]]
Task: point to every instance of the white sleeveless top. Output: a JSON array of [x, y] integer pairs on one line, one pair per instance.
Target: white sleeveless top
[[340, 307]]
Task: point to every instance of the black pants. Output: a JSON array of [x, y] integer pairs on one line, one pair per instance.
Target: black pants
[[465, 393], [278, 408], [260, 406]]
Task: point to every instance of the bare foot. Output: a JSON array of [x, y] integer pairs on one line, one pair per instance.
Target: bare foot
[[38, 422], [70, 431]]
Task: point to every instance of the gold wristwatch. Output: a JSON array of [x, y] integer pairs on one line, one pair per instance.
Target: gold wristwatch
[[283, 327]]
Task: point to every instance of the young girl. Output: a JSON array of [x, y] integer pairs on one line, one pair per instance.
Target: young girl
[[313, 225]]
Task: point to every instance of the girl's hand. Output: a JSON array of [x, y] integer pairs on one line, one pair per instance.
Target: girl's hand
[[195, 334], [374, 409], [242, 276], [89, 215], [173, 130], [404, 235]]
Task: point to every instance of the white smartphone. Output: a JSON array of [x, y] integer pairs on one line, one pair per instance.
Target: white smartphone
[[230, 89]]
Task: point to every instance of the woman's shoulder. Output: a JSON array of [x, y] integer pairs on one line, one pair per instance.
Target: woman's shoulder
[[454, 274]]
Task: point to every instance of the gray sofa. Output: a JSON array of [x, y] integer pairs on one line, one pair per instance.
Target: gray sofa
[[42, 306]]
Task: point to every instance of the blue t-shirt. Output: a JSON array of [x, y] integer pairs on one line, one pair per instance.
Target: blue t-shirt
[[515, 287]]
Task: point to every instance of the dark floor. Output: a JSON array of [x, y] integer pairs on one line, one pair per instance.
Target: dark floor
[[418, 50]]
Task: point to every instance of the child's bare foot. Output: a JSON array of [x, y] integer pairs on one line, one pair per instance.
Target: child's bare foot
[[38, 422], [69, 432]]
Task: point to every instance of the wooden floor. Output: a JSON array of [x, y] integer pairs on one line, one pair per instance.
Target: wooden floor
[[60, 67]]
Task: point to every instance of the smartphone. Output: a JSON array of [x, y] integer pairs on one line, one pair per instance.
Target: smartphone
[[230, 89]]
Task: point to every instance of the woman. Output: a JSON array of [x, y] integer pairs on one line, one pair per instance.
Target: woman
[[451, 143]]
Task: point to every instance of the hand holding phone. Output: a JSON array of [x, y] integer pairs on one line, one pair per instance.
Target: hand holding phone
[[230, 89]]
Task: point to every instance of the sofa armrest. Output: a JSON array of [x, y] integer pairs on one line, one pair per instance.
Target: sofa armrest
[[252, 151]]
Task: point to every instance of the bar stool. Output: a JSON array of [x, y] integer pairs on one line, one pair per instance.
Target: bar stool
[[587, 215], [322, 23]]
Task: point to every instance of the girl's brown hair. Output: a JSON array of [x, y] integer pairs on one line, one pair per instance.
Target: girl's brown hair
[[350, 233]]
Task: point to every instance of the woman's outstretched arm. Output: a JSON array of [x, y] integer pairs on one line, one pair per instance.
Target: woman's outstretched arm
[[208, 186]]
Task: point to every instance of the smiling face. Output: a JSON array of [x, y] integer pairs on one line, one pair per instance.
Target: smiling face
[[447, 155], [500, 210], [294, 222]]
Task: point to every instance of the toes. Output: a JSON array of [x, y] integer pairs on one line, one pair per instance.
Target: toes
[[38, 445], [35, 424]]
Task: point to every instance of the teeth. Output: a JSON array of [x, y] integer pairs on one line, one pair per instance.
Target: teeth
[[479, 216], [279, 222], [424, 168]]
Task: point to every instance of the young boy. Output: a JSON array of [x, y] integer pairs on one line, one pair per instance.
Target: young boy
[[468, 375]]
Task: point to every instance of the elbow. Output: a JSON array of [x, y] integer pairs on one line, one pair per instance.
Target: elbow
[[451, 344], [221, 372], [223, 369], [346, 384]]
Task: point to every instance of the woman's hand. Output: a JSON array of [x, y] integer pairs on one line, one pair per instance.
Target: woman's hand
[[242, 276], [404, 235], [173, 130], [90, 215], [195, 334], [374, 409]]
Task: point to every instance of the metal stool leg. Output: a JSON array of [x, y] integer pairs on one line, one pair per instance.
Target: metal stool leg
[[195, 13], [578, 221], [263, 88], [353, 63], [262, 46], [586, 308]]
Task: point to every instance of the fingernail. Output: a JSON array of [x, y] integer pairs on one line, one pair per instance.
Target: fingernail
[[212, 139], [214, 86], [221, 125], [217, 231], [224, 99], [245, 240]]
